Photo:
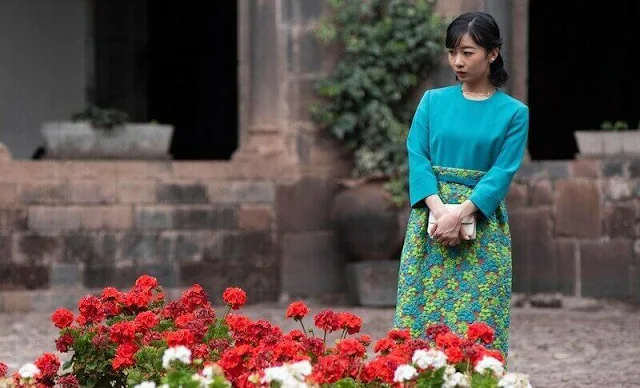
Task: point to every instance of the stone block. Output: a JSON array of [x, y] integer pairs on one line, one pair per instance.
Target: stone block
[[245, 247], [80, 248], [305, 205], [136, 192], [612, 168], [36, 249], [182, 193], [556, 169], [223, 217], [53, 218], [373, 283], [136, 246], [517, 196], [634, 168], [106, 217], [24, 277], [92, 192], [242, 191], [155, 217], [65, 275], [42, 193], [14, 218], [260, 283], [16, 301], [182, 246], [578, 209], [295, 11], [585, 168], [255, 217], [534, 270], [304, 256], [8, 193], [620, 220], [5, 250], [311, 53], [541, 193], [166, 273], [604, 268], [567, 269]]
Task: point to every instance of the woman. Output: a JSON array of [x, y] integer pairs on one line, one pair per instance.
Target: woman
[[465, 144]]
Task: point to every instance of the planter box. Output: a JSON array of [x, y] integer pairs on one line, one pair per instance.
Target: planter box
[[608, 143], [373, 283], [79, 140]]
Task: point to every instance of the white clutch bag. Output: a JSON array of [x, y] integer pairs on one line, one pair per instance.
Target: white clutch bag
[[468, 223]]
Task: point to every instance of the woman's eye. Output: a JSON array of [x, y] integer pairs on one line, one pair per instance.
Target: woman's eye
[[468, 53]]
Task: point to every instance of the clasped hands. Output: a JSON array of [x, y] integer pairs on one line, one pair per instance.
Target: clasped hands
[[447, 228]]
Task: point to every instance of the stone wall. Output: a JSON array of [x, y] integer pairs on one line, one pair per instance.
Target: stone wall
[[86, 225], [575, 228]]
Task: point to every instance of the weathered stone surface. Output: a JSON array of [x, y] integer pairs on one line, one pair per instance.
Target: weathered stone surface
[[23, 277], [295, 11], [13, 219], [242, 191], [517, 196], [604, 268], [634, 168], [54, 218], [611, 168], [305, 205], [304, 256], [585, 168], [92, 192], [5, 250], [64, 275], [249, 246], [155, 217], [255, 217], [567, 275], [620, 220], [533, 270], [42, 193], [205, 218], [311, 53], [36, 249], [137, 246], [541, 193], [578, 209], [556, 169], [80, 247], [373, 283], [182, 193]]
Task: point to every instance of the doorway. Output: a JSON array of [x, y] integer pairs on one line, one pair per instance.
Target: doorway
[[580, 71], [172, 64]]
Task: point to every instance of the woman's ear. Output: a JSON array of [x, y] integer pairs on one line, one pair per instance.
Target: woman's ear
[[493, 54]]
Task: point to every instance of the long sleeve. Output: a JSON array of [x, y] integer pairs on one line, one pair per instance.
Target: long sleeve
[[494, 185], [422, 181]]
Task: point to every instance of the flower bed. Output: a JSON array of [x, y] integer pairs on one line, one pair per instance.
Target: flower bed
[[136, 339]]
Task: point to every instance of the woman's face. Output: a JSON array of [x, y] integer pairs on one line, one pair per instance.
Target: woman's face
[[469, 61]]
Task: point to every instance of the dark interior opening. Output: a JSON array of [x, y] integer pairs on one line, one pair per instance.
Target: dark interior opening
[[172, 64], [580, 71]]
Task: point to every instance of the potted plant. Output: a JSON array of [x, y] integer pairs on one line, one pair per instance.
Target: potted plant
[[98, 133], [366, 104], [613, 139]]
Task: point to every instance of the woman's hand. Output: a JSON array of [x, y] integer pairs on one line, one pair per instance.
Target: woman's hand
[[448, 227]]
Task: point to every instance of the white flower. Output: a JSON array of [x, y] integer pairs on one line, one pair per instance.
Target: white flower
[[180, 353], [514, 380], [453, 379], [425, 359], [404, 373], [28, 371], [146, 384], [490, 363], [300, 369]]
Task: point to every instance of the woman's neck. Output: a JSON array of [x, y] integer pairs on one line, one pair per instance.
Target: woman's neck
[[478, 87]]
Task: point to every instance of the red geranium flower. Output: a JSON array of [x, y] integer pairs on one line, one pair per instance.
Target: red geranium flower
[[122, 332], [180, 337], [297, 311], [3, 369], [68, 381], [327, 320], [111, 294], [146, 283], [454, 354], [495, 354], [481, 331], [194, 298], [48, 364], [436, 330], [62, 318], [350, 322], [64, 342], [384, 345], [124, 356], [145, 320], [234, 297], [137, 299], [329, 369], [365, 339], [399, 335], [183, 319], [90, 308], [351, 347], [448, 340]]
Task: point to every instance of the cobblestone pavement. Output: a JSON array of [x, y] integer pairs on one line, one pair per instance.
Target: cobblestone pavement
[[593, 346]]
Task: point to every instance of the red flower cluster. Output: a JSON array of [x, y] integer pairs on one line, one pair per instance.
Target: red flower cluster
[[3, 369], [123, 323]]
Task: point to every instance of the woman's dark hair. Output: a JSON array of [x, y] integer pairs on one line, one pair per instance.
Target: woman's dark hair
[[484, 30]]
